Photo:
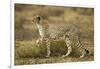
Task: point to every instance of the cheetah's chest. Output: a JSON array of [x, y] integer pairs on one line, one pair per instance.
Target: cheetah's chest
[[43, 31]]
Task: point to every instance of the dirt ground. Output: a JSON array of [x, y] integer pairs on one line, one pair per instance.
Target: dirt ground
[[59, 59]]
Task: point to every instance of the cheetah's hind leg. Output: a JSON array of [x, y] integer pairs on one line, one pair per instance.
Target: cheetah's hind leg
[[84, 53]]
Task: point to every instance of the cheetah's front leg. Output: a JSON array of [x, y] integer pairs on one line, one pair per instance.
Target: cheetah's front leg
[[48, 48], [39, 41], [68, 44]]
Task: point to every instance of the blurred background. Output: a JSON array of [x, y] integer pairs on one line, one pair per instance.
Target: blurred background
[[26, 30]]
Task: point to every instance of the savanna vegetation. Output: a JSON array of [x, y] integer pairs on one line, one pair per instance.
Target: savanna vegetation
[[26, 33]]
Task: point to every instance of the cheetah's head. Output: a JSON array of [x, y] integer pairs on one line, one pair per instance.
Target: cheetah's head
[[36, 19]]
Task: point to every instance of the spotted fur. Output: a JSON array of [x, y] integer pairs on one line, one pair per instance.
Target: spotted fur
[[48, 31]]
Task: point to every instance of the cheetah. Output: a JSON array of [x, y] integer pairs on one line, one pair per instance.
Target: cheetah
[[48, 32]]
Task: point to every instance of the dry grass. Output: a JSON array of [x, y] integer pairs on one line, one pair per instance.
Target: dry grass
[[27, 52], [58, 59]]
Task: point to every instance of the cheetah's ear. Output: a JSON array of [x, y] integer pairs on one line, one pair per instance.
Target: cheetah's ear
[[39, 18]]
